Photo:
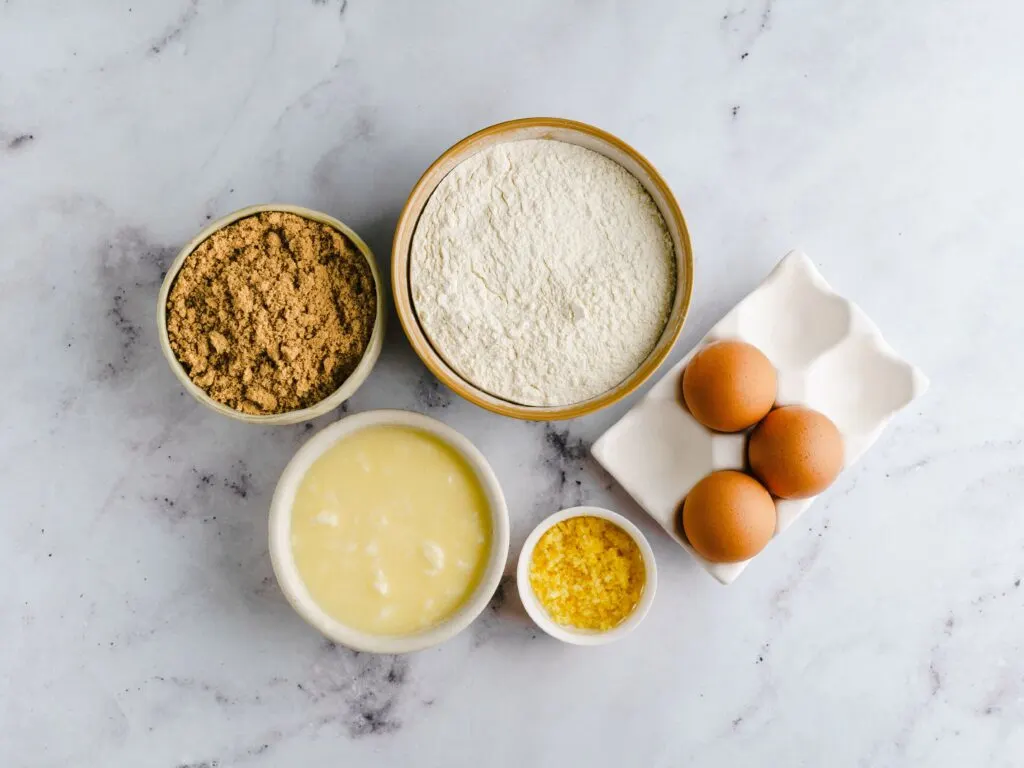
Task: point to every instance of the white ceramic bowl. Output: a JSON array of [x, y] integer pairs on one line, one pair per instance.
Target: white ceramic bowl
[[579, 636], [333, 400], [280, 535]]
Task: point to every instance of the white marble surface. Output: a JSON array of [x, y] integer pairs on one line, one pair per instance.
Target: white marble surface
[[140, 622]]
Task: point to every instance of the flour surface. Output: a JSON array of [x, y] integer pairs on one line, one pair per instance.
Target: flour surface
[[542, 272]]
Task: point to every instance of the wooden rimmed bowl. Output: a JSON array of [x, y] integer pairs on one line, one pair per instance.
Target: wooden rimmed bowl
[[571, 132]]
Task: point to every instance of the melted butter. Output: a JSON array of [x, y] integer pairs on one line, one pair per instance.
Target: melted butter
[[390, 530]]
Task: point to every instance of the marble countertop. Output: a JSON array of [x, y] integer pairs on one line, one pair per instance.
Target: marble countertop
[[141, 624]]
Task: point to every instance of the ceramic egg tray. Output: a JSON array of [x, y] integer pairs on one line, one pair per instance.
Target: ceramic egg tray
[[828, 355]]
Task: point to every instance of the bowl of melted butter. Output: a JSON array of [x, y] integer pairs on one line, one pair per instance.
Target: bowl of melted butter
[[388, 532]]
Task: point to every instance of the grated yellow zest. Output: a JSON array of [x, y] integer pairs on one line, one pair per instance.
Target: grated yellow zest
[[588, 573]]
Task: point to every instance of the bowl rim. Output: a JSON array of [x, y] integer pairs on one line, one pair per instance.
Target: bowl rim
[[401, 288], [338, 396], [540, 616], [279, 533]]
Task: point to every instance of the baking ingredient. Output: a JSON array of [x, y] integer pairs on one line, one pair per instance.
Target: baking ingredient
[[390, 530], [796, 452], [729, 386], [587, 572], [542, 272], [728, 516], [272, 313]]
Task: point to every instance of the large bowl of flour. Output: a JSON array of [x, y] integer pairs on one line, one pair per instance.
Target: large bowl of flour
[[542, 269]]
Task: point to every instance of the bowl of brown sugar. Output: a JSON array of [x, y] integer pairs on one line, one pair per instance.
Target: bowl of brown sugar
[[273, 314]]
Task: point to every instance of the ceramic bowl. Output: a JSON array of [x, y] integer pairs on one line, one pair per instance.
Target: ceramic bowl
[[284, 563], [828, 356], [579, 636], [333, 400], [573, 133]]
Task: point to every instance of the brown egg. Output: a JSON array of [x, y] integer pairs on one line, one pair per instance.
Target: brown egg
[[796, 452], [729, 386], [728, 516]]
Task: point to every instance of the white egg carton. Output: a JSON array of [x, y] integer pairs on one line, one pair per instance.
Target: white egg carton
[[829, 356]]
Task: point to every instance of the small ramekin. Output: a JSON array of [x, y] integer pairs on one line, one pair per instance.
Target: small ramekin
[[566, 634], [333, 400], [284, 563]]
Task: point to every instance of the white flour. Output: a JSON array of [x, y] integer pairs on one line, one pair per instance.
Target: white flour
[[542, 272]]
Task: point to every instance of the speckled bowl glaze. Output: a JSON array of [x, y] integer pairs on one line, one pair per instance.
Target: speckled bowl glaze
[[572, 132], [579, 636], [333, 400], [284, 562], [828, 355]]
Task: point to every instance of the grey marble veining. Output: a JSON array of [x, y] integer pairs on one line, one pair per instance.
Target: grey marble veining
[[141, 624]]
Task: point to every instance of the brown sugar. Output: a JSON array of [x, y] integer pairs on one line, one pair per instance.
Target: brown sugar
[[272, 313]]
